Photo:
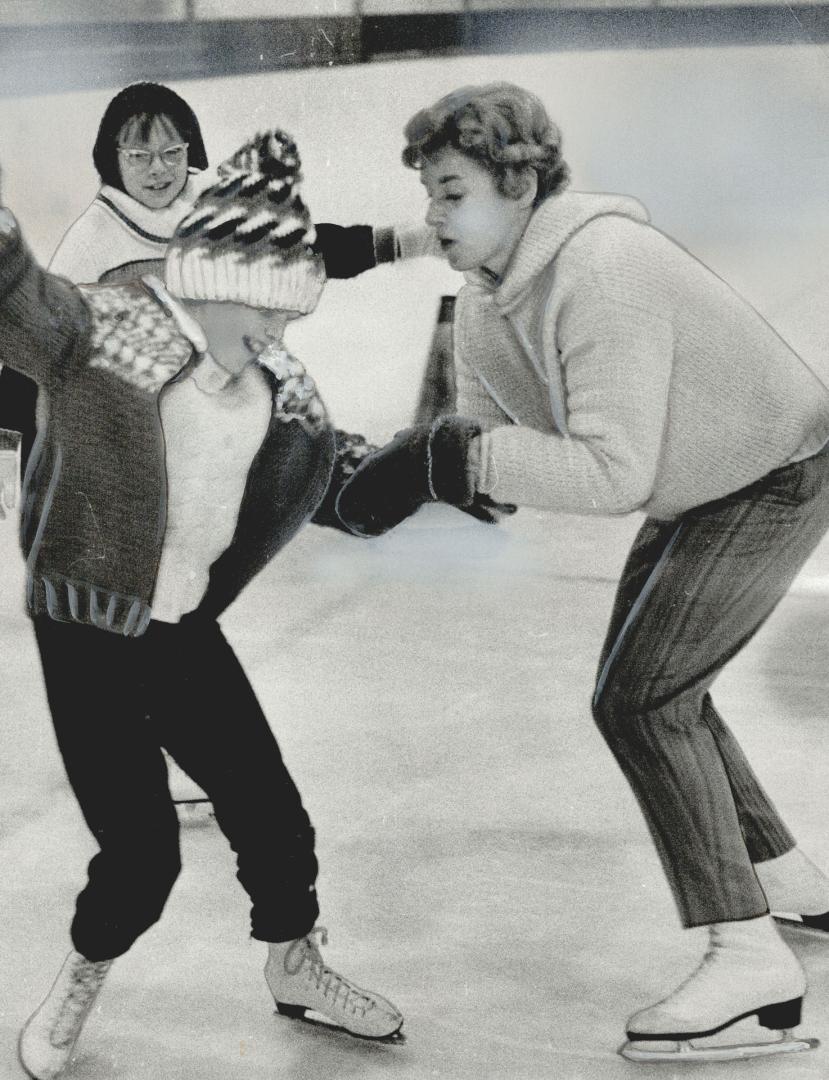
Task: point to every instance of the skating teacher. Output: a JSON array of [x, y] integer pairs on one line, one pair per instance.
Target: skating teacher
[[602, 369]]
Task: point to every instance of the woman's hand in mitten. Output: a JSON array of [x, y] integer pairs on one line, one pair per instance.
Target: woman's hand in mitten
[[425, 463], [347, 250]]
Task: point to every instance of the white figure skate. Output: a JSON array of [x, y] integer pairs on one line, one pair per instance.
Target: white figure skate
[[49, 1036], [797, 892], [301, 983], [813, 926], [747, 971]]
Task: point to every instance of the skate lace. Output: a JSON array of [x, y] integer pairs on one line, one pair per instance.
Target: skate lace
[[336, 989], [84, 983]]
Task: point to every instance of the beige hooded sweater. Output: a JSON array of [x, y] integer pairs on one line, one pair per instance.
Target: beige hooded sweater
[[612, 371]]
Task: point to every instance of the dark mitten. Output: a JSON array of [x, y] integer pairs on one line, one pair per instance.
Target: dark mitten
[[347, 250], [350, 451], [388, 487], [422, 464]]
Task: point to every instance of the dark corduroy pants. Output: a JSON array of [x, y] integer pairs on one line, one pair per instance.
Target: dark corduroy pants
[[115, 702], [692, 593]]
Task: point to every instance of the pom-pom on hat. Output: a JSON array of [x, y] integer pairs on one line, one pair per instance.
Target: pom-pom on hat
[[248, 237]]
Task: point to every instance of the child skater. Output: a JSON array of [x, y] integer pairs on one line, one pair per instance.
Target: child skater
[[150, 158], [183, 447], [602, 369]]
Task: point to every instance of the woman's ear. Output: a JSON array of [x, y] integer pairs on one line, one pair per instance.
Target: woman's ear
[[528, 197]]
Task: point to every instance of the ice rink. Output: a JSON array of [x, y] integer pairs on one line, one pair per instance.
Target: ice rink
[[483, 862]]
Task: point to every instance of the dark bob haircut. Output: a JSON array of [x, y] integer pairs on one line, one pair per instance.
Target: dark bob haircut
[[144, 101], [502, 127]]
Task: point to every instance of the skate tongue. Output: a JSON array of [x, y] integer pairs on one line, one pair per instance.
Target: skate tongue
[[304, 948]]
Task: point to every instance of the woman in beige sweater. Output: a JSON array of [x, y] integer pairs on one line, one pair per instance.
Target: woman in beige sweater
[[602, 369]]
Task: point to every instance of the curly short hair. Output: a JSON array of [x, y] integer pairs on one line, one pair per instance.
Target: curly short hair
[[501, 126], [144, 102]]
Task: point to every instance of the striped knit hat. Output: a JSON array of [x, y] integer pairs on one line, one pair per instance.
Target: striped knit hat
[[248, 237]]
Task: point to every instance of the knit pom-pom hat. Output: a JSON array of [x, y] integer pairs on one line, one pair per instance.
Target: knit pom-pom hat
[[248, 237]]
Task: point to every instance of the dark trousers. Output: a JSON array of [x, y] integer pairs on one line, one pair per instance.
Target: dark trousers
[[115, 702], [692, 593]]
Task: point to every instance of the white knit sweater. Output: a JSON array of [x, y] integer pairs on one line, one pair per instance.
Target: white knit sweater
[[668, 388], [116, 232]]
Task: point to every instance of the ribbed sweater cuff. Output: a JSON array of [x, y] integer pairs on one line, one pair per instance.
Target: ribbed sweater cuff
[[480, 460], [415, 241], [79, 602], [9, 439], [474, 472]]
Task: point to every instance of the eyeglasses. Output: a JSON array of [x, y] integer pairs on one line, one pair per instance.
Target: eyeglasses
[[140, 160]]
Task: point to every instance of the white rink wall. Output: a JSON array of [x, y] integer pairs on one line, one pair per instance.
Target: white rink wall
[[727, 147]]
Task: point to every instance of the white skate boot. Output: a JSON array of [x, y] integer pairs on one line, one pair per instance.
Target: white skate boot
[[797, 892], [49, 1036], [300, 982], [747, 971]]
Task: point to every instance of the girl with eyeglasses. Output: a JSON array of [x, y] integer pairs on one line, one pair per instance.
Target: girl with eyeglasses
[[183, 447], [147, 153], [148, 150]]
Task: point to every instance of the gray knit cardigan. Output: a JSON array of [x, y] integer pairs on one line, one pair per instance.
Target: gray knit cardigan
[[94, 498]]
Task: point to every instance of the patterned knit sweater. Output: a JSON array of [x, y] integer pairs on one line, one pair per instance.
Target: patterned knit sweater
[[612, 371], [94, 514]]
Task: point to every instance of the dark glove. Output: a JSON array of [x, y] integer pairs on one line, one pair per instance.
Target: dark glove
[[425, 463], [347, 250]]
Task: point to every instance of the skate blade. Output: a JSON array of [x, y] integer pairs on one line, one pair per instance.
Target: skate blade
[[315, 1019], [687, 1052]]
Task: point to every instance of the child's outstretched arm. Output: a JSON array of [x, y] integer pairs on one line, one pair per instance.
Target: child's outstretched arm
[[41, 316], [349, 250]]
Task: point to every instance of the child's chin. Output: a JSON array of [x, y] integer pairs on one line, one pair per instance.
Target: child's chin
[[157, 200]]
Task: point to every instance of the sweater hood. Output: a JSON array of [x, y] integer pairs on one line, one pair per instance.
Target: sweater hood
[[553, 223]]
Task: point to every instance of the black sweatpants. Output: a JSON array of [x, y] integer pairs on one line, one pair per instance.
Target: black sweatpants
[[115, 702]]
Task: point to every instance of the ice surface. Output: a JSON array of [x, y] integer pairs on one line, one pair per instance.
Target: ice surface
[[483, 862]]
